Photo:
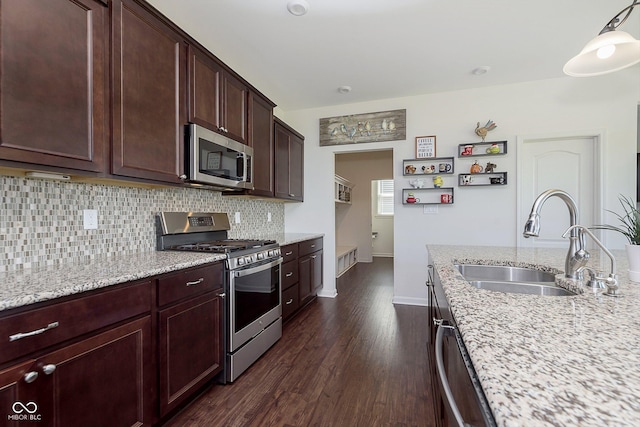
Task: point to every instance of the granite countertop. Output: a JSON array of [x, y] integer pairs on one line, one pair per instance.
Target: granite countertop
[[44, 283], [544, 360]]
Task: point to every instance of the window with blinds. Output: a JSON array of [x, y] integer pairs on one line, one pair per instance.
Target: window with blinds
[[385, 197]]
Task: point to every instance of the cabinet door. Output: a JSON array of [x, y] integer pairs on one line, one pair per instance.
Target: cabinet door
[[309, 275], [205, 76], [16, 392], [105, 380], [190, 348], [261, 139], [234, 107], [296, 167], [53, 84], [289, 163], [149, 85]]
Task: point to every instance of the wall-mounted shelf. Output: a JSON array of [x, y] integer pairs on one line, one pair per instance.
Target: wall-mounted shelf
[[427, 166], [343, 189], [489, 148], [428, 196], [478, 179]]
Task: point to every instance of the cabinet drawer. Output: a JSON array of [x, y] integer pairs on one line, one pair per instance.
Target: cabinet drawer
[[189, 283], [53, 324], [289, 274], [309, 246], [290, 301], [289, 252]]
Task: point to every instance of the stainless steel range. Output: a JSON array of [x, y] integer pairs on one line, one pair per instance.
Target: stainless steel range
[[253, 308]]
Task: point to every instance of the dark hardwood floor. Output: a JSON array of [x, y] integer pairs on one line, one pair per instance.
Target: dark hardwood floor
[[356, 360]]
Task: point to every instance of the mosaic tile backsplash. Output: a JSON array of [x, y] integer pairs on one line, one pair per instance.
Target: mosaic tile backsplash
[[41, 221]]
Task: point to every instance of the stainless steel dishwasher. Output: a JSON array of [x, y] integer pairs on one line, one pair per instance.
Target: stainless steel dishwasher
[[458, 396]]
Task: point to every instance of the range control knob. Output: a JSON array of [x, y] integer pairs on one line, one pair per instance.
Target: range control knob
[[261, 255]]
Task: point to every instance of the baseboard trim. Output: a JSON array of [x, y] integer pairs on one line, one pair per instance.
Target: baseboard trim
[[329, 293], [410, 301]]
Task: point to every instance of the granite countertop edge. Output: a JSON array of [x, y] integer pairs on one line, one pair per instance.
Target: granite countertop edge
[[48, 282]]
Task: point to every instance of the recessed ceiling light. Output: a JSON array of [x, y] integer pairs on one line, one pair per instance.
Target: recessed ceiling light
[[344, 89], [298, 7], [481, 70]]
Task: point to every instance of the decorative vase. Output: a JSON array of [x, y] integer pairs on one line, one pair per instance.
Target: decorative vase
[[633, 257]]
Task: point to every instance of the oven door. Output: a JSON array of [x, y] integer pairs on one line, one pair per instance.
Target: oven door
[[254, 301]]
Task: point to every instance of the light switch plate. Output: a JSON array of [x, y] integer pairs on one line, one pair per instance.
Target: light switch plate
[[237, 217], [90, 219], [430, 209], [268, 216]]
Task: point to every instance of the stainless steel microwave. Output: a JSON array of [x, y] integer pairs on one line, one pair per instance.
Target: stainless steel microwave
[[216, 160]]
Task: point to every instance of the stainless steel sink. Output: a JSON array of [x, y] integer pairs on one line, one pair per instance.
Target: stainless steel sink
[[514, 280], [504, 273], [521, 288]]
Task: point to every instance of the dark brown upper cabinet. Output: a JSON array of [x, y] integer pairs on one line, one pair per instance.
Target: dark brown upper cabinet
[[289, 162], [149, 94], [261, 139], [217, 99], [53, 84]]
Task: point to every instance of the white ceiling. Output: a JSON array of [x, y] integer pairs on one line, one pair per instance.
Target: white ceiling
[[391, 48]]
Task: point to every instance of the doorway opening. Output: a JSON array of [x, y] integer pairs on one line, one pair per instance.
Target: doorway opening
[[354, 221]]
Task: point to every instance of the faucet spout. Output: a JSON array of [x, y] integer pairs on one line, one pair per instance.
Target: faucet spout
[[577, 256]]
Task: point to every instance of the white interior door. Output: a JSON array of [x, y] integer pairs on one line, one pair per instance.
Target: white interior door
[[569, 163]]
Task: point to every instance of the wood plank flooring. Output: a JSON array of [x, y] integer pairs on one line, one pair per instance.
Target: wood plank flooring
[[356, 360]]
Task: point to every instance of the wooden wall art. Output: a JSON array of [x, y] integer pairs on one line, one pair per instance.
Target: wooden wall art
[[361, 128]]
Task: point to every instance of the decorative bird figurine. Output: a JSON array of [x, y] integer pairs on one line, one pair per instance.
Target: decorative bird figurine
[[392, 126], [385, 126], [484, 130], [367, 127]]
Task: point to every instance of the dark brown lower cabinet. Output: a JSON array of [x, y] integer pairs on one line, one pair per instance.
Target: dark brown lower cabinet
[[190, 348], [103, 380]]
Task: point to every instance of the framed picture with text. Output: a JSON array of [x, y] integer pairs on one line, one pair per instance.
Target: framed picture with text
[[425, 146]]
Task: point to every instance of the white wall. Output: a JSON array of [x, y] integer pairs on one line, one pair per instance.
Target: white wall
[[483, 215]]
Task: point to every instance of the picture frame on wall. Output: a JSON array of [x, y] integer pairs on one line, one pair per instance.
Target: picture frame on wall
[[425, 146]]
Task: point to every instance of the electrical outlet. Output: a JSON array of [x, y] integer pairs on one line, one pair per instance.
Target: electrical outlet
[[237, 217], [430, 209], [268, 216], [90, 219]]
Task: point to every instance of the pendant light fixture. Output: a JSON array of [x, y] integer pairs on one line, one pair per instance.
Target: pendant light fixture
[[610, 51]]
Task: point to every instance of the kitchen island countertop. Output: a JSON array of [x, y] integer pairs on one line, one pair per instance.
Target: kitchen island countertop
[[544, 360], [33, 285]]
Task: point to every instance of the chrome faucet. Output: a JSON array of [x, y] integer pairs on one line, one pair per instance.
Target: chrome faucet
[[577, 256], [610, 282]]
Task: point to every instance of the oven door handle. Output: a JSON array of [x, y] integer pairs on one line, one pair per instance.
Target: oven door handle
[[252, 270]]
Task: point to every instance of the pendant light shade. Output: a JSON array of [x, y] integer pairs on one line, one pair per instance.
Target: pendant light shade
[[609, 52]]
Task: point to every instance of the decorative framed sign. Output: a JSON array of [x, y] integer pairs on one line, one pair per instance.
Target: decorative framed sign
[[425, 146]]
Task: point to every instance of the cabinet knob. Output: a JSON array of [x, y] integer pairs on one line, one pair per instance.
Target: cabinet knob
[[292, 195], [30, 377], [222, 295], [49, 369], [183, 177]]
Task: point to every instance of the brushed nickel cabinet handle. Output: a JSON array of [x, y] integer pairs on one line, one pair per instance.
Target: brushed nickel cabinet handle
[[289, 274], [288, 253], [289, 302], [197, 282], [21, 335]]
